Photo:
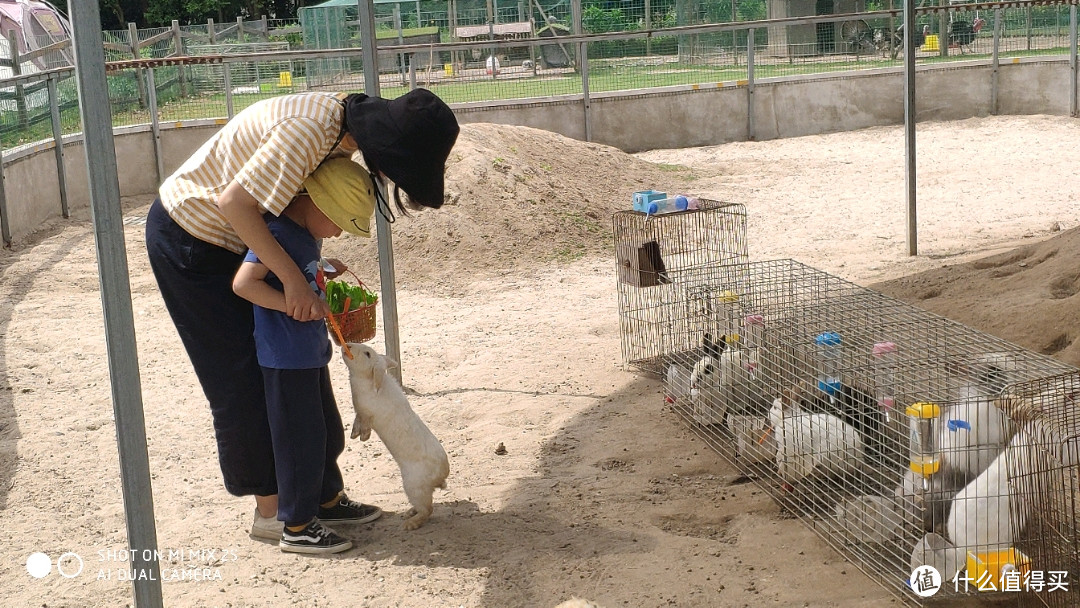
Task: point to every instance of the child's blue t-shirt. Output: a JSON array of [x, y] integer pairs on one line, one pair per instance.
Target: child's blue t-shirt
[[280, 341]]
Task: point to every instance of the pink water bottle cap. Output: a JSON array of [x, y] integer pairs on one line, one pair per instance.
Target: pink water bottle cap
[[884, 348], [754, 320]]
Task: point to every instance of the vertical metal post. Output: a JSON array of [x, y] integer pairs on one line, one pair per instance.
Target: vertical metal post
[[648, 26], [155, 125], [16, 70], [995, 64], [178, 50], [384, 234], [1027, 25], [225, 75], [1072, 60], [58, 144], [909, 126], [943, 30], [492, 51], [133, 40], [5, 226], [412, 71], [751, 134], [400, 41], [583, 61], [116, 302]]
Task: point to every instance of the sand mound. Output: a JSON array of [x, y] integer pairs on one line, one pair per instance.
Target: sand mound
[[1028, 295], [519, 198]]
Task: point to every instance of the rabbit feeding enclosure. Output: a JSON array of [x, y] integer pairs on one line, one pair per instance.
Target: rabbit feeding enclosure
[[904, 439]]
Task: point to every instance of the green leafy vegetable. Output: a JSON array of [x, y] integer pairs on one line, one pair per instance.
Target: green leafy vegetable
[[338, 291]]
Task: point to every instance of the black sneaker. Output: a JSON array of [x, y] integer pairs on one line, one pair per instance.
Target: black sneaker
[[314, 538], [350, 512]]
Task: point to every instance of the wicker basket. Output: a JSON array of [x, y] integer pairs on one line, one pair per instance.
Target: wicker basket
[[356, 325]]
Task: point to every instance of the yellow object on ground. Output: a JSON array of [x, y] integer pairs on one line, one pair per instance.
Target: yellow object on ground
[[990, 567], [931, 44]]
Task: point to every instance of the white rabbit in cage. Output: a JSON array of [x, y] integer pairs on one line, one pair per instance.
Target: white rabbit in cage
[[984, 516], [812, 444], [972, 430]]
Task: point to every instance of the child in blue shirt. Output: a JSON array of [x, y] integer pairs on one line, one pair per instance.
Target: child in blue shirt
[[305, 425]]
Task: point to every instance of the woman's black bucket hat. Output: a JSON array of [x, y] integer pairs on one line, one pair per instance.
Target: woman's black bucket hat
[[409, 138]]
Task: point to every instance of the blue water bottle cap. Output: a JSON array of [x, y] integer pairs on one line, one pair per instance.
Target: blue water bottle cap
[[653, 208], [681, 202], [828, 338]]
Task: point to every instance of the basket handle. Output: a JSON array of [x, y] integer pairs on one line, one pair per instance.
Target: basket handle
[[360, 282]]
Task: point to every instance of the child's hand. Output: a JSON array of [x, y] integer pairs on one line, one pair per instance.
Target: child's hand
[[338, 266]]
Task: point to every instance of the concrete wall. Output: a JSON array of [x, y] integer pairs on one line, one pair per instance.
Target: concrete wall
[[702, 115], [632, 121]]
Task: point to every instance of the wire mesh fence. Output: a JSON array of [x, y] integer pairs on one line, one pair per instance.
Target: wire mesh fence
[[537, 63], [903, 439]]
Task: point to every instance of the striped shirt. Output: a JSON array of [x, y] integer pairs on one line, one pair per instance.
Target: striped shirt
[[269, 148]]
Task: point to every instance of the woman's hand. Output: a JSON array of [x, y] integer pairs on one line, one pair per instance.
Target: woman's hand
[[302, 303]]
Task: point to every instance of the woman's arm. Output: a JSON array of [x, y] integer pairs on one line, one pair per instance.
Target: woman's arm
[[242, 211], [250, 284]]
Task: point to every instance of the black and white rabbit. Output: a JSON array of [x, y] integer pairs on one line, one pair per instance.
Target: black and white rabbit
[[714, 379]]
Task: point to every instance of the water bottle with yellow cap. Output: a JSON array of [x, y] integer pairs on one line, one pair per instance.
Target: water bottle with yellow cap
[[925, 459]]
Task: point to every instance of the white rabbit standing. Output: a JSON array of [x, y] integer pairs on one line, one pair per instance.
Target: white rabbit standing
[[972, 430], [984, 516], [812, 444]]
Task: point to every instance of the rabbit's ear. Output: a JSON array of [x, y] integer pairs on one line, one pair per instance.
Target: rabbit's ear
[[378, 372], [711, 348]]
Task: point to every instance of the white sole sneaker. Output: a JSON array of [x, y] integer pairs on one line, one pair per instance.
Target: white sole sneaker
[[266, 528], [315, 538]]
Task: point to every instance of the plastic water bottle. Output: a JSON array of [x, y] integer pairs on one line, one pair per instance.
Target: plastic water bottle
[[925, 460], [830, 360], [885, 365], [668, 205]]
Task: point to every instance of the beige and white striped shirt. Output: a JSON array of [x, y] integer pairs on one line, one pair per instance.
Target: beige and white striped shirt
[[269, 148]]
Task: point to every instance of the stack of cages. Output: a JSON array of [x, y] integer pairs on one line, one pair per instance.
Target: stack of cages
[[663, 281], [884, 427]]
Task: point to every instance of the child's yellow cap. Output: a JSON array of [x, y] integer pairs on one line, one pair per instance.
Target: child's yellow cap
[[343, 191]]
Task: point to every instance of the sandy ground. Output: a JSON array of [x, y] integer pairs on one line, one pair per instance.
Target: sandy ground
[[510, 334]]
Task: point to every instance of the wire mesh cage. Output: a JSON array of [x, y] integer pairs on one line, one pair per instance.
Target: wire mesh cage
[[891, 431], [664, 283]]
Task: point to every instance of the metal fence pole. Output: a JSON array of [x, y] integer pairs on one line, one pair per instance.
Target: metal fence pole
[[751, 135], [16, 70], [155, 125], [58, 144], [583, 60], [226, 76], [116, 303], [387, 275], [995, 63], [5, 226], [1072, 60], [909, 126]]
